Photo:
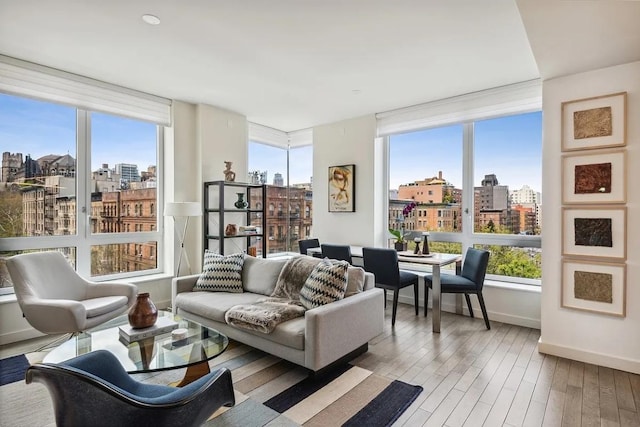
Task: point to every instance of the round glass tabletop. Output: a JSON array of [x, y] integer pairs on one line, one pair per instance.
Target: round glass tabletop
[[155, 353]]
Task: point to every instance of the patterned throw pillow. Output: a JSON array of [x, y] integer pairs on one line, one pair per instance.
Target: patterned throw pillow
[[326, 283], [221, 273]]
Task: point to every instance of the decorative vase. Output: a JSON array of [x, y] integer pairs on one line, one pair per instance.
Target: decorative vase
[[241, 203], [143, 313], [230, 230], [400, 246]]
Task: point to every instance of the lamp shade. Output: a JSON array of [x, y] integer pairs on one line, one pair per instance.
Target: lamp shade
[[182, 209]]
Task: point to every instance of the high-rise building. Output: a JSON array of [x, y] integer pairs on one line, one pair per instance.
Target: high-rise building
[[525, 195], [278, 180], [128, 172]]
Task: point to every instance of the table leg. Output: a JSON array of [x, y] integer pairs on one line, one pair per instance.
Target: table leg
[[435, 299], [196, 371]]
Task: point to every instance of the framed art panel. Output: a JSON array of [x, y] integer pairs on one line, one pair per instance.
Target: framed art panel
[[342, 188], [594, 177], [594, 286], [594, 122], [595, 232]]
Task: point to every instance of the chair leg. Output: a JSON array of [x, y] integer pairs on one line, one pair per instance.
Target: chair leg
[[385, 299], [415, 296], [64, 337], [395, 306], [426, 297], [466, 296], [484, 311]]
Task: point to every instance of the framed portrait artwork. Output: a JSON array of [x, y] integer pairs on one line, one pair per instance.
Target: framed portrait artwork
[[342, 188], [595, 232], [594, 286], [594, 177], [596, 122]]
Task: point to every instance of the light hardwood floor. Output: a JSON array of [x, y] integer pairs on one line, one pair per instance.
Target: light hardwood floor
[[475, 377]]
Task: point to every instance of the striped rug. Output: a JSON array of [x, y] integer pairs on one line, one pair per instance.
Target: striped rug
[[269, 391]]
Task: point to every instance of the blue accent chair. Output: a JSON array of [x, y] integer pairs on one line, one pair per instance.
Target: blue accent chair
[[470, 281], [305, 244], [383, 263], [94, 390], [338, 252]]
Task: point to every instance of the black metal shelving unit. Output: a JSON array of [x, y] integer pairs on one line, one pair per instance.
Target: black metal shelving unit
[[222, 211]]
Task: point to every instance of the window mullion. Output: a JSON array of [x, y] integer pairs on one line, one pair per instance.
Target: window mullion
[[467, 186], [83, 192]]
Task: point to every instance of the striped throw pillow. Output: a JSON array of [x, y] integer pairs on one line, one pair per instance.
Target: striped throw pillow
[[326, 283], [221, 273]]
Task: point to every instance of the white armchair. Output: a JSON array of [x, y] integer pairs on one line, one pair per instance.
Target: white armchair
[[55, 299]]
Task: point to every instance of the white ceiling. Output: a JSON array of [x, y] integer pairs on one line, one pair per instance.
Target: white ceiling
[[292, 64]]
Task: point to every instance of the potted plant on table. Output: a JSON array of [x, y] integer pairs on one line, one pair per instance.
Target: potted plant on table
[[401, 235], [401, 242]]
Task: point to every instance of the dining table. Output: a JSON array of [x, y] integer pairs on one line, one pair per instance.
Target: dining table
[[433, 259]]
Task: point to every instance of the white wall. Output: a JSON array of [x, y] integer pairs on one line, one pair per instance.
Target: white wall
[[342, 143], [589, 337]]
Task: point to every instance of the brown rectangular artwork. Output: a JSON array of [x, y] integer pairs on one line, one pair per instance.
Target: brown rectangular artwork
[[594, 178], [593, 286], [593, 232], [592, 123]]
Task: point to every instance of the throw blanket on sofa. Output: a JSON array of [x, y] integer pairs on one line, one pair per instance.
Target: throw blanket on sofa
[[264, 315]]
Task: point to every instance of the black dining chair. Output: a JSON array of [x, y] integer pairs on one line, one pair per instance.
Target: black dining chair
[[308, 244], [383, 263], [469, 281], [338, 252]]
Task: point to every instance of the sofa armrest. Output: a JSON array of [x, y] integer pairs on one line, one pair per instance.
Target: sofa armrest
[[181, 284], [338, 328]]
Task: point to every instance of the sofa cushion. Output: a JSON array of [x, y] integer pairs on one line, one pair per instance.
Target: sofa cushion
[[213, 305], [326, 284], [355, 281], [293, 275], [259, 275], [221, 273]]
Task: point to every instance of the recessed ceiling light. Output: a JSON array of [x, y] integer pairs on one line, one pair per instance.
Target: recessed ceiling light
[[151, 19]]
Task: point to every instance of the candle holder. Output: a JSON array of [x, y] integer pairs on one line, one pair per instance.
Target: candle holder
[[417, 250], [425, 244]]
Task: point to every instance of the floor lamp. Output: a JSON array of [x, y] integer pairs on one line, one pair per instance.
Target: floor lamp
[[187, 210]]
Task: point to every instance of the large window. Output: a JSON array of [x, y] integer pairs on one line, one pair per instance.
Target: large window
[[287, 174], [473, 185], [81, 182]]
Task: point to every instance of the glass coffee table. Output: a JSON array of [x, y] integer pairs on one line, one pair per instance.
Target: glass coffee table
[[157, 353]]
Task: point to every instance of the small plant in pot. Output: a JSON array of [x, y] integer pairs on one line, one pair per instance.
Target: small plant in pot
[[401, 242], [401, 235]]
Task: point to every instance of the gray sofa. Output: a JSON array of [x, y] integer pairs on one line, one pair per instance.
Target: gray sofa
[[325, 335]]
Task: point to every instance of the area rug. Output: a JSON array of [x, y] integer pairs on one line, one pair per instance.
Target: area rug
[[269, 392], [12, 369]]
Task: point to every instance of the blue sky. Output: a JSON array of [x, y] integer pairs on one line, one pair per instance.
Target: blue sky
[[40, 128], [509, 147], [264, 157]]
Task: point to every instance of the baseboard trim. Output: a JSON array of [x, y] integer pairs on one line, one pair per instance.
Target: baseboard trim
[[607, 360], [493, 316], [23, 335]]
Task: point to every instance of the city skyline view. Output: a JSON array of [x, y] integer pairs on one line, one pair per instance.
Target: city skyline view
[[509, 147], [38, 129]]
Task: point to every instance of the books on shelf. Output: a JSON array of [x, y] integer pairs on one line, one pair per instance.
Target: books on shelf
[[128, 334], [248, 229]]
